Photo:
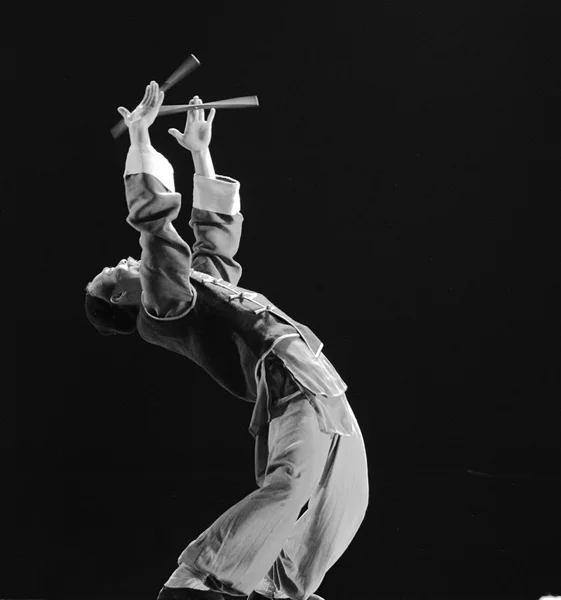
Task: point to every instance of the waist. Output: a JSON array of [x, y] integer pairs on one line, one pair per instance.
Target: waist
[[315, 373]]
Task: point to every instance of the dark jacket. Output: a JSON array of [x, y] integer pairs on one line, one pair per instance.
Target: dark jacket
[[191, 303]]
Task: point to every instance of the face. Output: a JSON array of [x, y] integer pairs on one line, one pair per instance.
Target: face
[[125, 276]]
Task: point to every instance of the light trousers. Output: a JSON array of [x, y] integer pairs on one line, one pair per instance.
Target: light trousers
[[262, 543]]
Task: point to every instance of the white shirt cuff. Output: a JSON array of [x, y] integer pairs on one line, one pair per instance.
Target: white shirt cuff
[[221, 195], [148, 160]]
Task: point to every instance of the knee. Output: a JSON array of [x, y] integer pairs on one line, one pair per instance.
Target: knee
[[289, 481]]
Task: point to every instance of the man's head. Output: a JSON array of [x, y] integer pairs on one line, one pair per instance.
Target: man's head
[[113, 298]]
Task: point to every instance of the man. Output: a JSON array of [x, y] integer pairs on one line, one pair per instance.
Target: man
[[308, 445]]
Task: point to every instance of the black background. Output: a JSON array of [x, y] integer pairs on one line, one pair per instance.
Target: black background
[[400, 186]]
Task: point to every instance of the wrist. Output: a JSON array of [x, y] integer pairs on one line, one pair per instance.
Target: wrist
[[204, 153], [139, 134], [203, 163]]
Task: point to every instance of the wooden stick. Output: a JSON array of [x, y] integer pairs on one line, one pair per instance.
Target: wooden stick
[[243, 102], [186, 67]]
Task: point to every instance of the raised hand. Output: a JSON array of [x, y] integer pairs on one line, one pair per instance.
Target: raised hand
[[198, 132], [147, 111]]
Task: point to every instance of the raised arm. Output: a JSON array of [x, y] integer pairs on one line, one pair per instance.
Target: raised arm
[[153, 204], [216, 219]]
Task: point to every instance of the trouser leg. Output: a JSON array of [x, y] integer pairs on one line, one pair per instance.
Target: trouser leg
[[238, 549], [336, 509]]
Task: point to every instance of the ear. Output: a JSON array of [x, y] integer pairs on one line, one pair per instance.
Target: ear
[[118, 298]]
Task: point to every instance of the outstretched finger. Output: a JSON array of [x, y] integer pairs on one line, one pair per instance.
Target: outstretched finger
[[200, 112], [156, 98], [146, 94], [159, 99], [190, 115], [153, 93]]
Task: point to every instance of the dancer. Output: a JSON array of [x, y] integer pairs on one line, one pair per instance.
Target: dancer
[[310, 459]]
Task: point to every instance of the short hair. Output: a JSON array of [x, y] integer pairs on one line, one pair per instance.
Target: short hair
[[106, 317]]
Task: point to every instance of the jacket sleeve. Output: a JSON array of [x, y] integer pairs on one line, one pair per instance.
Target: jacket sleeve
[[216, 221], [166, 259]]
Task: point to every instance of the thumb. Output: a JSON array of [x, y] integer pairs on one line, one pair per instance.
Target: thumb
[[211, 114], [123, 112], [175, 133]]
